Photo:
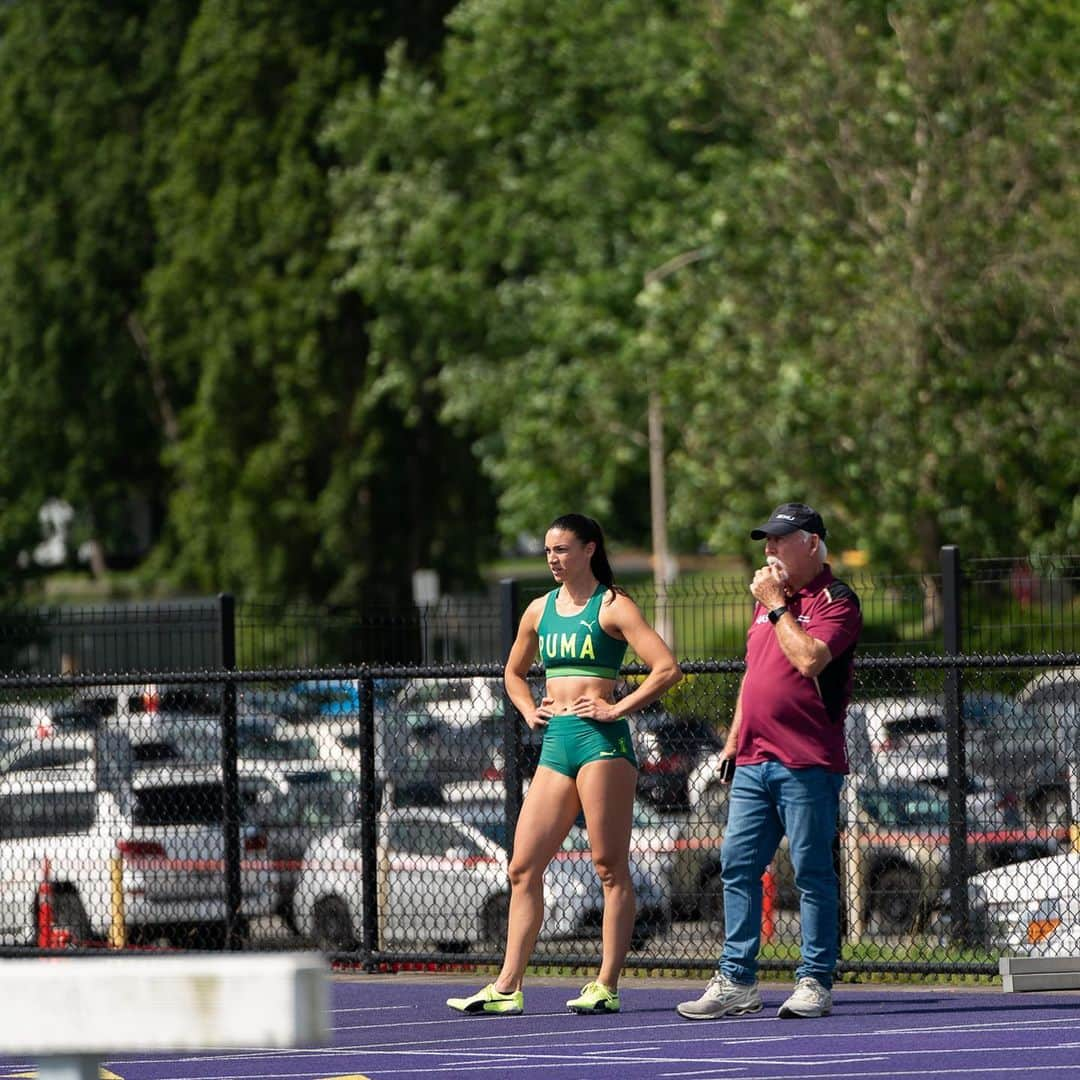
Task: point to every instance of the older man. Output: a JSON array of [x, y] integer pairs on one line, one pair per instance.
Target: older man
[[787, 744]]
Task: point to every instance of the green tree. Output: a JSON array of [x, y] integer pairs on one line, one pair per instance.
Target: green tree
[[891, 317], [856, 220], [500, 219], [294, 476], [78, 88]]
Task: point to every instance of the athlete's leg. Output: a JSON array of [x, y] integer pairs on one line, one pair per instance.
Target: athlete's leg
[[547, 813], [607, 789]]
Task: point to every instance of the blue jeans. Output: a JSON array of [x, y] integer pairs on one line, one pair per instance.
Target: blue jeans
[[767, 801]]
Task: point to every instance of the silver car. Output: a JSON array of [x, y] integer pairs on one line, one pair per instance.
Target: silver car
[[443, 882]]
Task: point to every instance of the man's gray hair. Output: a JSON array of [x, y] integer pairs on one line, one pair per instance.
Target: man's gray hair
[[823, 551]]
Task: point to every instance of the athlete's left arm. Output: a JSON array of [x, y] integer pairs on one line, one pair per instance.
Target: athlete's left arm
[[623, 618]]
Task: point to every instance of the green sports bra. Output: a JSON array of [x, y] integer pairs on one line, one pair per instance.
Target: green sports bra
[[578, 644]]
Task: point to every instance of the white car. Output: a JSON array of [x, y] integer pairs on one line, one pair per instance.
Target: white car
[[458, 702], [129, 704], [442, 882], [161, 830], [654, 840], [1029, 908], [293, 803]]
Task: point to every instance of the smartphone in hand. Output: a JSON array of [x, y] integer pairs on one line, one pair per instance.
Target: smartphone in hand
[[726, 770]]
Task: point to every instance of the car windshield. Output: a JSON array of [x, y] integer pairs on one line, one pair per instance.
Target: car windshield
[[921, 806], [263, 747], [905, 808], [179, 804], [314, 799], [488, 818]]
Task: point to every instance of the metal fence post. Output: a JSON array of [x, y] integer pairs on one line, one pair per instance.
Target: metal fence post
[[231, 815], [512, 720], [955, 742], [369, 818]]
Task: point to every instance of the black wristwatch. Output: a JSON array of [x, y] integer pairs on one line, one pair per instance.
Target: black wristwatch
[[774, 615]]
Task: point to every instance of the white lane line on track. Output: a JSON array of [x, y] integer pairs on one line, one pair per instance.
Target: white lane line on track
[[794, 1066], [802, 1061], [418, 1046], [718, 1074], [370, 1008], [714, 1068], [741, 1023], [1010, 1070]]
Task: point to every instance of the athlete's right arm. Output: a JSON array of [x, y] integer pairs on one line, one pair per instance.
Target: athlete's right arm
[[522, 654]]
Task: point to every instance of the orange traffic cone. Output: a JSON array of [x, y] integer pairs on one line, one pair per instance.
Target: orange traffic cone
[[768, 902], [49, 936]]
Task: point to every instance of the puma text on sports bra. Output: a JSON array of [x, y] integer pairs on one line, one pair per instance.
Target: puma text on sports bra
[[578, 644]]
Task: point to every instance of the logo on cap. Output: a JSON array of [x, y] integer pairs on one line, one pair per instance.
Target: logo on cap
[[787, 518]]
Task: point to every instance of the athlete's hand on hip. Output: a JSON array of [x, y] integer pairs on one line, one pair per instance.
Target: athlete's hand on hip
[[595, 708], [543, 711]]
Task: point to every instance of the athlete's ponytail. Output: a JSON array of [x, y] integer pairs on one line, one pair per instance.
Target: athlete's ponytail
[[588, 530]]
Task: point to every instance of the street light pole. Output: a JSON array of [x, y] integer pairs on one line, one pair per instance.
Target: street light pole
[[665, 568]]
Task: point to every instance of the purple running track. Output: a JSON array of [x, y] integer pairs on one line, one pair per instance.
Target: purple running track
[[398, 1026]]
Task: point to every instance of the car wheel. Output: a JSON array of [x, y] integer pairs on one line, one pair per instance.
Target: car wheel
[[895, 898], [68, 914], [650, 923], [333, 929], [495, 921], [712, 903], [1051, 808]]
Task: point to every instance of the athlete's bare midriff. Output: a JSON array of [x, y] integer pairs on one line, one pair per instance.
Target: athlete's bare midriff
[[566, 689]]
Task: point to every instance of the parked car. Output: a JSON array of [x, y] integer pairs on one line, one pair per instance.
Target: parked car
[[482, 804], [66, 753], [84, 710], [1023, 751], [1037, 739], [668, 749], [293, 804], [883, 731], [1030, 907], [418, 752], [164, 826], [444, 883], [459, 702], [897, 843]]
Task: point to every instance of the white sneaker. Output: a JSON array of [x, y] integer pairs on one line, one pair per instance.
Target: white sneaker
[[722, 997], [809, 999]]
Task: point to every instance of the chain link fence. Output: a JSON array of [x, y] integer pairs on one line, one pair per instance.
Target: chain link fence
[[367, 810]]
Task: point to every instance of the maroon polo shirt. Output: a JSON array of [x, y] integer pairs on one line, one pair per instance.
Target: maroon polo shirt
[[787, 717]]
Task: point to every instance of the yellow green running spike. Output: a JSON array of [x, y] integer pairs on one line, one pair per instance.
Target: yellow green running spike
[[595, 998], [491, 1001]]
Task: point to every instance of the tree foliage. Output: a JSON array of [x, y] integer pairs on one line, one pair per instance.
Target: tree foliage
[[334, 289], [900, 311], [836, 239], [78, 86]]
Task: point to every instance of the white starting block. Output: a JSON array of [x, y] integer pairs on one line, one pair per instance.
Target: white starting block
[[73, 1012], [1020, 973]]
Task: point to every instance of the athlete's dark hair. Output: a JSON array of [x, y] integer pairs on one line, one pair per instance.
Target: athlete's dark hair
[[587, 530]]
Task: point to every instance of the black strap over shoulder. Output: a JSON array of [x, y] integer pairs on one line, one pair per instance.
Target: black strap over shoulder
[[841, 590]]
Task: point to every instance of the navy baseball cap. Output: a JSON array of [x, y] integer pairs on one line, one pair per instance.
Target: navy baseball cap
[[789, 518]]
